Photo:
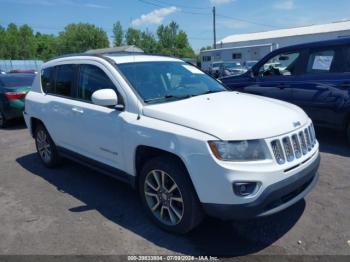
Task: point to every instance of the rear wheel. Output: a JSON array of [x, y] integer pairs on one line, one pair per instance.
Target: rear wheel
[[168, 195], [46, 148], [2, 120], [348, 132]]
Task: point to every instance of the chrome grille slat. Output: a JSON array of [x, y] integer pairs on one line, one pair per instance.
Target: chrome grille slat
[[294, 146], [308, 139], [278, 152], [288, 149]]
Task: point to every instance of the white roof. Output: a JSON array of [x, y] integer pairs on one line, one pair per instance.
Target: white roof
[[122, 59], [297, 31]]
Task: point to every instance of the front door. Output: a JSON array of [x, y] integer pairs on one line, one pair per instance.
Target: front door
[[276, 77], [97, 130]]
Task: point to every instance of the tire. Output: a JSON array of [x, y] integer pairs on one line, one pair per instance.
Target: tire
[[3, 121], [46, 148], [176, 206]]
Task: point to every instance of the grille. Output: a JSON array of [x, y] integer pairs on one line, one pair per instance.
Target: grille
[[294, 146]]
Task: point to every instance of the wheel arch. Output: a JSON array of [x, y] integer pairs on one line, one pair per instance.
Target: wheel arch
[[144, 153]]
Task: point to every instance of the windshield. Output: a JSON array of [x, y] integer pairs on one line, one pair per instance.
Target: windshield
[[163, 81], [16, 81]]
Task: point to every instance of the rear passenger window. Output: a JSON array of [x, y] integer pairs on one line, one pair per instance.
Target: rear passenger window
[[321, 61], [47, 81], [91, 79], [64, 80]]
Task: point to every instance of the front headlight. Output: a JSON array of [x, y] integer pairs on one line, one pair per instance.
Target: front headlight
[[240, 151]]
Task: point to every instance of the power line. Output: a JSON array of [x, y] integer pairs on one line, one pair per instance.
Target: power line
[[245, 20]]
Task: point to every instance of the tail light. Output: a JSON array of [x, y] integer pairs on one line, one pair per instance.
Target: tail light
[[15, 95]]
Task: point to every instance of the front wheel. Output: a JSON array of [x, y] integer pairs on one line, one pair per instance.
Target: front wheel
[[168, 195], [46, 148]]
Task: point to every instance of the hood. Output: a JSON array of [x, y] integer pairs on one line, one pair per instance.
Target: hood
[[231, 115]]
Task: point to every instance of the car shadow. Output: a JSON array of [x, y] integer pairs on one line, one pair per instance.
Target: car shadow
[[333, 142], [119, 203], [15, 124]]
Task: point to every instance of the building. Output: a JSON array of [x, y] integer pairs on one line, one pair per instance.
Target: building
[[254, 46]]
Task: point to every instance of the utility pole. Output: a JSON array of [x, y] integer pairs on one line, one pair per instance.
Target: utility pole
[[214, 26]]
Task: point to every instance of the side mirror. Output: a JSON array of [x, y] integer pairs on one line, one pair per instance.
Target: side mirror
[[105, 97]]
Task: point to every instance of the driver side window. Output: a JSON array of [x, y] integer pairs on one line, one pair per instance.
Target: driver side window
[[280, 65]]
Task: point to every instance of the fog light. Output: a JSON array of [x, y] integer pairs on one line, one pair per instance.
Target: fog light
[[245, 188]]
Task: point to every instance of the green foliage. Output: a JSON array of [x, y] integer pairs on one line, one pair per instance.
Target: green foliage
[[21, 43], [81, 37], [117, 34], [133, 37], [47, 46]]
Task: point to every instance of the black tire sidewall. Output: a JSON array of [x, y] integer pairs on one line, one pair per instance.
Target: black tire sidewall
[[54, 155], [192, 211]]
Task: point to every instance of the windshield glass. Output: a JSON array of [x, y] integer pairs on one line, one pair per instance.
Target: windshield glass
[[16, 81], [163, 81]]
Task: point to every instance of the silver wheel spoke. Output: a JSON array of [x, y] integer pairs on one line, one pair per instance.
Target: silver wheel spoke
[[151, 194], [163, 180], [154, 208], [171, 215], [151, 186], [178, 199], [172, 188], [176, 212], [156, 178]]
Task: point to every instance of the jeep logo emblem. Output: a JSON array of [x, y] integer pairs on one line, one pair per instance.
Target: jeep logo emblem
[[296, 124]]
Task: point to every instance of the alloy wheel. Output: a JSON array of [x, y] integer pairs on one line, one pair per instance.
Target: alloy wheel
[[163, 197], [43, 145]]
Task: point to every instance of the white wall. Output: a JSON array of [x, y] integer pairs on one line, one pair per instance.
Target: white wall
[[260, 50]]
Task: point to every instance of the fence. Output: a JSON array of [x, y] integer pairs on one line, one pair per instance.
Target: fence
[[8, 65]]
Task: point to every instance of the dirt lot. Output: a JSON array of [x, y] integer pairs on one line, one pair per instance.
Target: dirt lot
[[74, 210]]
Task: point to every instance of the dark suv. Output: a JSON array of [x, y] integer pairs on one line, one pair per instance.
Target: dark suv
[[314, 76]]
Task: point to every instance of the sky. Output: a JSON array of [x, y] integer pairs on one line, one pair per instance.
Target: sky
[[194, 17]]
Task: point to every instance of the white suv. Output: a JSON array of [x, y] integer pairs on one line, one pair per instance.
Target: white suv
[[188, 145]]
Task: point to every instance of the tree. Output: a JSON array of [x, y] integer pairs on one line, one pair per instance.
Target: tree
[[174, 42], [148, 43], [2, 42], [46, 46], [117, 34], [11, 42], [26, 43], [81, 37], [133, 37], [206, 48]]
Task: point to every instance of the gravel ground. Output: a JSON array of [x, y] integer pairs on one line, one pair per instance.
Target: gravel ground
[[75, 210]]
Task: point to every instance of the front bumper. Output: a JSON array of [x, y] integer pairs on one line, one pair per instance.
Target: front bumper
[[273, 199]]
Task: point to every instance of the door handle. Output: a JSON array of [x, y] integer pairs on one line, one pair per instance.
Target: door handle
[[77, 110]]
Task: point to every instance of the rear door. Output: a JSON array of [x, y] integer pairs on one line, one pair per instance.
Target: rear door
[[59, 85], [325, 86]]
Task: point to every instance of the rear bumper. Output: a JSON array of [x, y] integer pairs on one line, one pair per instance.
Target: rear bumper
[[275, 198]]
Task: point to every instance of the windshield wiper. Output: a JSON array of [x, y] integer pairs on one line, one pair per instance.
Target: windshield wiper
[[167, 97], [210, 92]]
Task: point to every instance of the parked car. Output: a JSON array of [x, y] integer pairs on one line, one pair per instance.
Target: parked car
[[23, 71], [13, 89], [314, 76], [173, 133], [249, 64], [221, 69]]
